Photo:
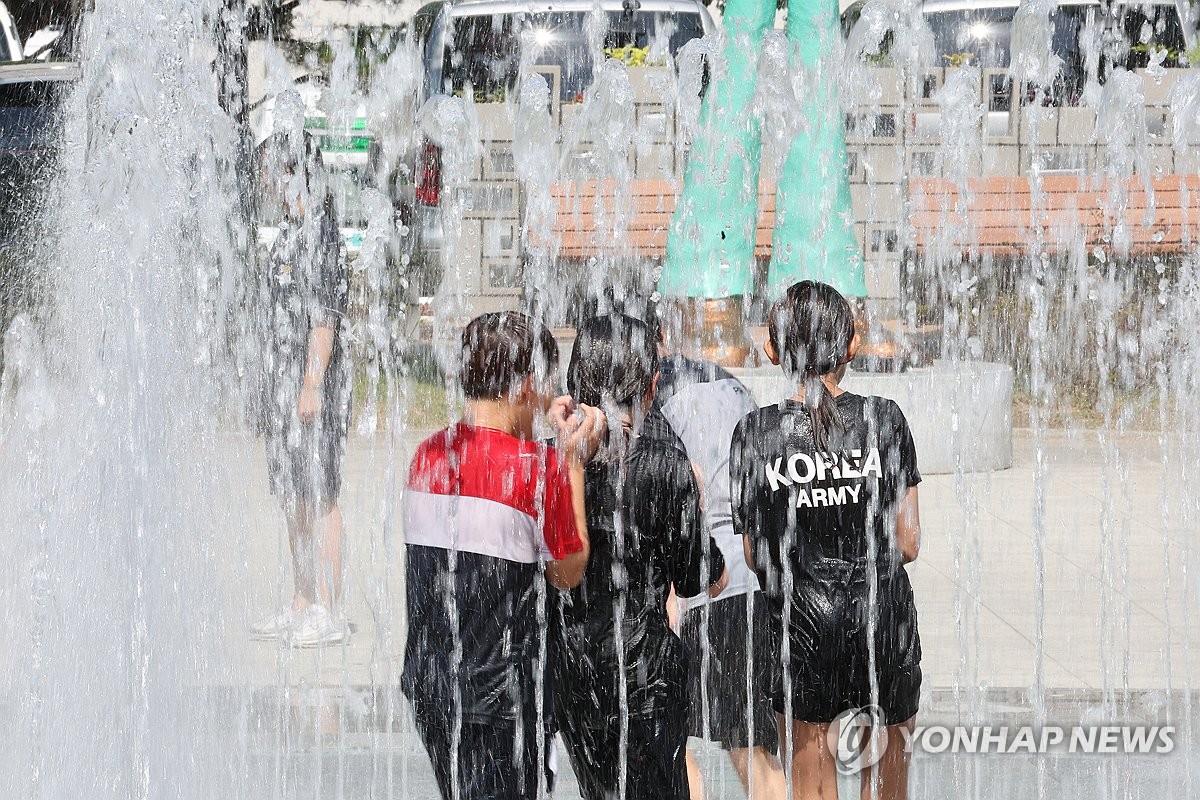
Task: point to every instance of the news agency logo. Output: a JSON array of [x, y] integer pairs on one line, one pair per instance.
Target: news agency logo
[[857, 738], [1079, 739]]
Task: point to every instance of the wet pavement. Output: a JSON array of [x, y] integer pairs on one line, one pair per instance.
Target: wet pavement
[[1115, 608]]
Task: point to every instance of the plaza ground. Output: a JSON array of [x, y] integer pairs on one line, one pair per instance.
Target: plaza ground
[[1096, 591]]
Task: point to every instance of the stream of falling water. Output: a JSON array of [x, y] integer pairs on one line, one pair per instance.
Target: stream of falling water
[[116, 488], [131, 552]]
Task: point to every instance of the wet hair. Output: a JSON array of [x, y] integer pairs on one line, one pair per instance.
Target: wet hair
[[614, 360], [500, 350], [279, 154], [810, 329]]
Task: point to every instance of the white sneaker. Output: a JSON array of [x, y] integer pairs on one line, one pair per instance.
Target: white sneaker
[[276, 625], [318, 628]]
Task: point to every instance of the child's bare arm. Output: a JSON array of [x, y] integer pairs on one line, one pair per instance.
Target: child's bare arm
[[673, 609], [908, 526], [722, 580], [579, 436], [320, 350]]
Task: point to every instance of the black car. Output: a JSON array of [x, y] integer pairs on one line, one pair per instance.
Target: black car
[[30, 100], [31, 95]]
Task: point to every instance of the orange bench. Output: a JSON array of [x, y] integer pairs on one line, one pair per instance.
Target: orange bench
[[585, 225], [998, 217]]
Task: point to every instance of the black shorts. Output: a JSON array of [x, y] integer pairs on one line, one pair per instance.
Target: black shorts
[[829, 657], [736, 678], [305, 461], [655, 768], [492, 763]]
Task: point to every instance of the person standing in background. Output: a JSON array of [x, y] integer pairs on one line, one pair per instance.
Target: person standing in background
[[305, 406]]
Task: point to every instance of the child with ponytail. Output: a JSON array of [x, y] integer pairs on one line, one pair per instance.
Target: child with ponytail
[[824, 491]]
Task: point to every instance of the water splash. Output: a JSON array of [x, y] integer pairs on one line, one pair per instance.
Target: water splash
[[1185, 112], [1033, 57], [777, 101], [960, 124], [453, 125], [113, 524], [536, 162], [911, 43]]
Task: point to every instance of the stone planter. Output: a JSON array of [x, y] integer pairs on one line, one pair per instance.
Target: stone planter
[[1076, 126], [885, 82], [567, 115]]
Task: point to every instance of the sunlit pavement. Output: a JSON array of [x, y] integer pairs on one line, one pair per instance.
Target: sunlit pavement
[[1115, 543]]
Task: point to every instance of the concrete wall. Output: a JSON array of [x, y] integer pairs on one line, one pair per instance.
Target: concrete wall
[[898, 137]]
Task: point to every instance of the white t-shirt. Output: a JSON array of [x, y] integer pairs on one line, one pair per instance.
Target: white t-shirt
[[704, 403]]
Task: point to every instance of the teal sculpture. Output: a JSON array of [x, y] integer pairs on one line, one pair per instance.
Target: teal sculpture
[[710, 244], [814, 215]]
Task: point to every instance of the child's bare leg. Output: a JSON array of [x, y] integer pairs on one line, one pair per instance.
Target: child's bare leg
[[888, 779], [760, 771], [695, 780], [329, 557], [814, 773], [299, 525]]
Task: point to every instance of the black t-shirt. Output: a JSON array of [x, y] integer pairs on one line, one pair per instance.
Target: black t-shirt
[[307, 287], [646, 532], [790, 499]]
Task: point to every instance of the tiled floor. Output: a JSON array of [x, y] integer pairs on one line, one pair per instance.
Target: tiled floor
[[1114, 599]]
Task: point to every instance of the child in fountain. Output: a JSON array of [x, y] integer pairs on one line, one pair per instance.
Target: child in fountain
[[620, 674], [305, 406], [486, 504], [825, 494]]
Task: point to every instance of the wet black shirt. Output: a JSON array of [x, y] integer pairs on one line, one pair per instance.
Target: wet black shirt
[[307, 286], [799, 506], [646, 531]]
